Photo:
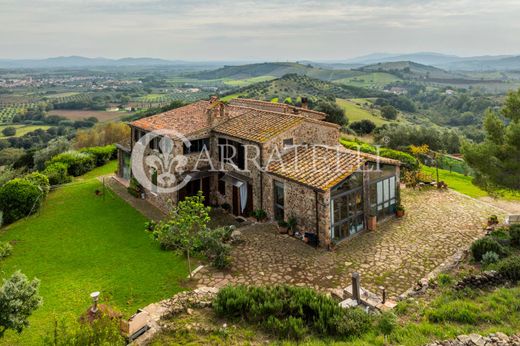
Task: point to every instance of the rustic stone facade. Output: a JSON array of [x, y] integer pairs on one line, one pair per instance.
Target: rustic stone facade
[[310, 205]]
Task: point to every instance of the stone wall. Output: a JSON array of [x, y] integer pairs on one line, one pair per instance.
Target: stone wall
[[300, 202], [495, 339]]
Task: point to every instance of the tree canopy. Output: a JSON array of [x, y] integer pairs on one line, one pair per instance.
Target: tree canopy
[[497, 160]]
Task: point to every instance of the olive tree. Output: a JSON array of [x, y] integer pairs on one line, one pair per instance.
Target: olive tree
[[183, 228], [19, 297]]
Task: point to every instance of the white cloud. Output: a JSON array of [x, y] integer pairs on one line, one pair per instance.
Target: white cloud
[[255, 29]]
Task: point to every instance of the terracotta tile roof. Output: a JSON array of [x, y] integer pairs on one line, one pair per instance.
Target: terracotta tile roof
[[186, 120], [317, 166], [258, 125], [375, 158], [277, 107]]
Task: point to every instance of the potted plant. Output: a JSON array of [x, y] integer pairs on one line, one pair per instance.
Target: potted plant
[[260, 215], [372, 222], [291, 225], [492, 220], [282, 227], [399, 212]]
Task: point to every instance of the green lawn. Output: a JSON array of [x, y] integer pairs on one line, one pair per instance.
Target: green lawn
[[463, 184], [357, 113], [22, 129], [79, 243]]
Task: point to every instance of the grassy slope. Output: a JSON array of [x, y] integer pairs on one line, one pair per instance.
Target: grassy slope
[[22, 129], [80, 243], [370, 80], [463, 184], [356, 113], [248, 81]]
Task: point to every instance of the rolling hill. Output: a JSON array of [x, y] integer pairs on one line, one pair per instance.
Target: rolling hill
[[273, 69], [411, 70], [294, 86]]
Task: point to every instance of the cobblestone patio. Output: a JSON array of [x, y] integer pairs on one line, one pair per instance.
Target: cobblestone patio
[[437, 225]]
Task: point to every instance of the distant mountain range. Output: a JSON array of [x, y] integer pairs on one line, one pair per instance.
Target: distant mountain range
[[443, 61], [447, 62], [80, 61]]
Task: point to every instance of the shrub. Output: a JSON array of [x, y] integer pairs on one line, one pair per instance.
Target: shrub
[[214, 247], [260, 214], [19, 297], [362, 127], [9, 131], [408, 161], [57, 173], [19, 198], [77, 163], [486, 244], [102, 331], [290, 328], [514, 233], [444, 279], [101, 154], [490, 257], [40, 180], [134, 188], [306, 309], [510, 268], [5, 249], [387, 323]]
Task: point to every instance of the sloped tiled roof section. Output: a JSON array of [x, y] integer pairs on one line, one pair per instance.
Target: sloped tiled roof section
[[319, 167], [277, 107], [185, 120], [258, 125]]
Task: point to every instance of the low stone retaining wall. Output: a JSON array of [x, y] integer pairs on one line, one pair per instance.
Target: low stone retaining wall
[[181, 302], [486, 279], [495, 339]]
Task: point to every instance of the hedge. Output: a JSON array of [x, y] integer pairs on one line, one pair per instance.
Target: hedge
[[101, 154], [408, 161], [57, 173], [19, 198], [40, 180], [291, 312], [77, 163]]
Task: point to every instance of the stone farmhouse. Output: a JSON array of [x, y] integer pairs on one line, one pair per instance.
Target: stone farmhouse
[[249, 155]]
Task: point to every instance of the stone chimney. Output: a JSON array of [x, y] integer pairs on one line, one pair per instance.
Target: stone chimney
[[216, 111]]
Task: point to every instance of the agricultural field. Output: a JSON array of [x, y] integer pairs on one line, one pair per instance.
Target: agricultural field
[[355, 112], [22, 129], [82, 114], [7, 113], [248, 81], [373, 80]]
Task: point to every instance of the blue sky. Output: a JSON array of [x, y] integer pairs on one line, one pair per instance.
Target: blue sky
[[256, 30]]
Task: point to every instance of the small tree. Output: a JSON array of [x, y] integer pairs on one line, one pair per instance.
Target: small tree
[[389, 112], [362, 127], [185, 223], [19, 297], [9, 131], [334, 113]]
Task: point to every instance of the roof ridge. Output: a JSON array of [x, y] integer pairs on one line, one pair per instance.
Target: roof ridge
[[284, 105]]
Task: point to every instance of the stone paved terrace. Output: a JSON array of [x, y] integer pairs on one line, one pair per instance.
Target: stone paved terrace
[[437, 225]]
